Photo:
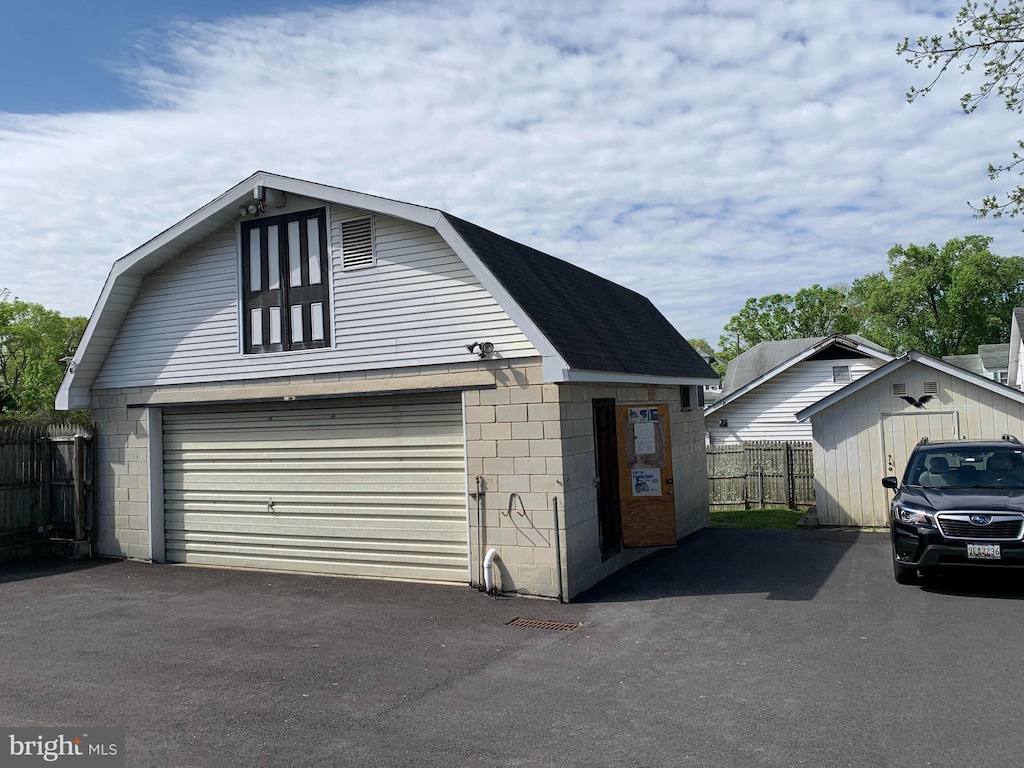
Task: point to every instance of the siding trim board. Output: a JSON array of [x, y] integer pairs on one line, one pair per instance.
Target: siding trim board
[[284, 389]]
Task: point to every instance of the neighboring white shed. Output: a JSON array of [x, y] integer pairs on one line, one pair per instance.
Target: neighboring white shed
[[766, 385], [866, 430]]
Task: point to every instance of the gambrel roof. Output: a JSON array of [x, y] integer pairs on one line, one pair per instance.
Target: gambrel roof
[[595, 324], [586, 328]]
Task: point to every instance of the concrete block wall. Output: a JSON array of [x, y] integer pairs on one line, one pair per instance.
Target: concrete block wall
[[513, 443], [514, 451], [530, 445], [586, 566], [122, 475]]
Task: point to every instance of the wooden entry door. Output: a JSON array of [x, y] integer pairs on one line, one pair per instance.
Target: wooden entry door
[[646, 491]]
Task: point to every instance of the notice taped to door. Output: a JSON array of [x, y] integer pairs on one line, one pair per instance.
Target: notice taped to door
[[646, 482], [645, 442]]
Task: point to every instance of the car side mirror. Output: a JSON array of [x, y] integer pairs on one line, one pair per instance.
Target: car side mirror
[[890, 482]]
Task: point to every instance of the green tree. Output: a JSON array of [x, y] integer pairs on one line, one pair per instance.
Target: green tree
[[814, 311], [703, 345], [943, 301], [33, 340], [988, 36]]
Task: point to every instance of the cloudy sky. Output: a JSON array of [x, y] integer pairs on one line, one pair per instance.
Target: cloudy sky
[[700, 153]]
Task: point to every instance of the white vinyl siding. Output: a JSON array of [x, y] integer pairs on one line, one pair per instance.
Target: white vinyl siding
[[768, 412], [419, 305], [364, 487]]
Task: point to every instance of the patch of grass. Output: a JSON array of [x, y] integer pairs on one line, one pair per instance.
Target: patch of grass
[[775, 519]]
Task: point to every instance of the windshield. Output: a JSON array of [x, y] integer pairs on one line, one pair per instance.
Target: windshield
[[948, 466]]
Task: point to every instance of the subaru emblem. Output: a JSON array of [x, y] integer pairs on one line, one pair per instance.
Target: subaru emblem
[[981, 519]]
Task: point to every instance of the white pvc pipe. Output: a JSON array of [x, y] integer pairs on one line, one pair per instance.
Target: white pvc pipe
[[489, 569]]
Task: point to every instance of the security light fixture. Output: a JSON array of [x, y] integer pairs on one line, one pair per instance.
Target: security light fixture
[[252, 208], [482, 348]]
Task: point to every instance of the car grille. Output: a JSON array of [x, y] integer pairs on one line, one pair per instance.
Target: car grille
[[958, 525]]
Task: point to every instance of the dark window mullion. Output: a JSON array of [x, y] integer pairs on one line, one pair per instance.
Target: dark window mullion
[[307, 323], [246, 291]]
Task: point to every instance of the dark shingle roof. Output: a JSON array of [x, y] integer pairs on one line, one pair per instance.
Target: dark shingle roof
[[595, 324]]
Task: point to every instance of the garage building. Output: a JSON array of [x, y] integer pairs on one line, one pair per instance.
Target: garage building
[[301, 377]]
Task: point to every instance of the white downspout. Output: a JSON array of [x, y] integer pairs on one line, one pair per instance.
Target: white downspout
[[492, 553]]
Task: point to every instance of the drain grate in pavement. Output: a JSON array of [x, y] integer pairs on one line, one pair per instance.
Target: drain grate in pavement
[[554, 626]]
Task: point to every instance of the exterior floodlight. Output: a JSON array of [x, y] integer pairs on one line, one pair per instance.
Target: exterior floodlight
[[482, 348]]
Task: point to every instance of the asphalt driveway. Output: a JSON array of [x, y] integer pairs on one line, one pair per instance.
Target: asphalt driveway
[[738, 648]]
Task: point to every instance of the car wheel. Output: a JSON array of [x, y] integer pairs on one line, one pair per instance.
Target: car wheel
[[904, 574]]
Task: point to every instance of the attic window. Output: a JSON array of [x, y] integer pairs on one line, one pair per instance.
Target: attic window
[[841, 374], [899, 390], [285, 279], [931, 387], [357, 244]]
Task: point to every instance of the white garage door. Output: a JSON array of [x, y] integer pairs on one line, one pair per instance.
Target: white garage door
[[361, 487]]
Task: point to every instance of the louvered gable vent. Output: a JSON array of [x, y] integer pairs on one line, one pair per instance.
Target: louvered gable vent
[[357, 243]]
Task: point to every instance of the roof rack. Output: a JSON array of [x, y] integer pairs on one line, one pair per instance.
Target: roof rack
[[1010, 439], [923, 441]]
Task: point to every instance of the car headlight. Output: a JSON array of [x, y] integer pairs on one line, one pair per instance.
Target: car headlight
[[912, 515]]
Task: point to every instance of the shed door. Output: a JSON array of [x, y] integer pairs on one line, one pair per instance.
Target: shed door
[[902, 431], [366, 487], [646, 490]]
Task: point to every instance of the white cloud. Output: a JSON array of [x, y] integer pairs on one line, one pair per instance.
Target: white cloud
[[698, 156]]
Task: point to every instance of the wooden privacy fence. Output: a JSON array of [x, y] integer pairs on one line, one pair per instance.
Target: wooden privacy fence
[[759, 475], [45, 485]]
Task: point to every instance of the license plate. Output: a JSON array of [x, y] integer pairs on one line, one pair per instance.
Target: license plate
[[983, 551]]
